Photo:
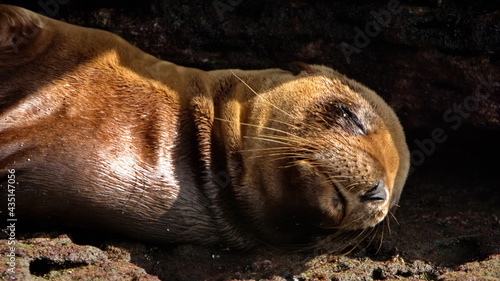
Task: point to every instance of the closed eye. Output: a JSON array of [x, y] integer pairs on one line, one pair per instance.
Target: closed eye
[[356, 124]]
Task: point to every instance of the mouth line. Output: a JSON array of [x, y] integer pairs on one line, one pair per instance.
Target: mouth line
[[336, 186]]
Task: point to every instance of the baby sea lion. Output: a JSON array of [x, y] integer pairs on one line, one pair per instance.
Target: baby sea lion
[[102, 135]]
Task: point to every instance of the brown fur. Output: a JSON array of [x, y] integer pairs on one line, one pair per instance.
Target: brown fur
[[102, 134]]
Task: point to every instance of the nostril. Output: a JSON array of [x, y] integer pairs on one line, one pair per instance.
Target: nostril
[[375, 193]]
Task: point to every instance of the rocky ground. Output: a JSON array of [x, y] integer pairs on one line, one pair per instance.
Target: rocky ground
[[435, 62]]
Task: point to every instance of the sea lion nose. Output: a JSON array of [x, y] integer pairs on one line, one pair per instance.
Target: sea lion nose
[[375, 193]]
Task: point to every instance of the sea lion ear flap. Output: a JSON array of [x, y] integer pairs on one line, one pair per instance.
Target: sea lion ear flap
[[18, 27], [296, 67]]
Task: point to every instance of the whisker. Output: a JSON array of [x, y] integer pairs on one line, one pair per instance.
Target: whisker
[[293, 140], [314, 113], [266, 149], [388, 223], [289, 154], [394, 217], [373, 236], [334, 177], [256, 94], [360, 238], [270, 129], [260, 126], [381, 241], [284, 123], [265, 139]]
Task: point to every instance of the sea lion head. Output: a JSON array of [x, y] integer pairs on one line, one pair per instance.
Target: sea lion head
[[323, 154]]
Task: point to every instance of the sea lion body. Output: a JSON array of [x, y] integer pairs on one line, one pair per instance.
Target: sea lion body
[[101, 134]]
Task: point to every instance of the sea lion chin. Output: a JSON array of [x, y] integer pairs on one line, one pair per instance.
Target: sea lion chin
[[103, 135]]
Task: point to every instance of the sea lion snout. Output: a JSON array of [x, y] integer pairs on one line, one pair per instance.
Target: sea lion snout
[[376, 193], [330, 148]]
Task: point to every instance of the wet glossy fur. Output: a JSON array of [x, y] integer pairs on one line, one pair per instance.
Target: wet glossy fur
[[104, 135]]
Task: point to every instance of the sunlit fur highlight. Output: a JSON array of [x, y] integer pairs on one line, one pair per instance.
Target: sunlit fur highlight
[[104, 135]]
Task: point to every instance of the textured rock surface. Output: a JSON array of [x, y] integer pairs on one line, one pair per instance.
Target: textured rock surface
[[58, 258], [436, 62]]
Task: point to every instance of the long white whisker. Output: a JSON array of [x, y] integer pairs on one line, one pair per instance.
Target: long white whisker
[[256, 94]]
